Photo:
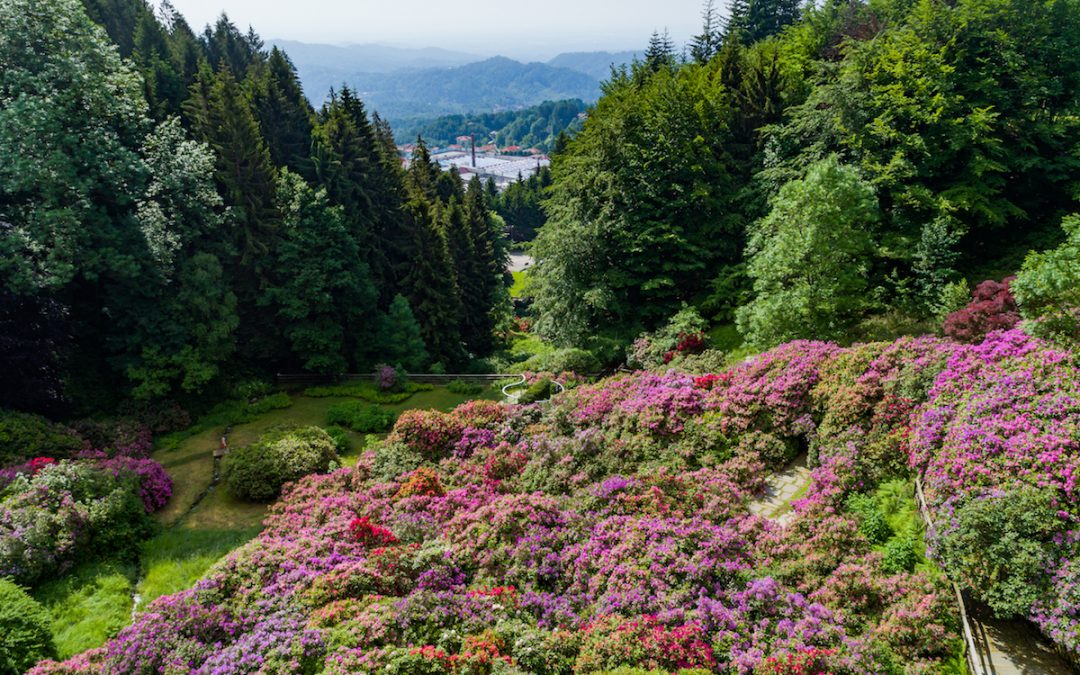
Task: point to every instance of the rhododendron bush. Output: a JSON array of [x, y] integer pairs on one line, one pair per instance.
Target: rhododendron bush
[[610, 528]]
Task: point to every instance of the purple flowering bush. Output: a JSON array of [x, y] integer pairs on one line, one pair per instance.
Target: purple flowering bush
[[73, 509], [611, 529]]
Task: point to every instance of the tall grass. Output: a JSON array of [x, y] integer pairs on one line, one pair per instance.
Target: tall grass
[[89, 605]]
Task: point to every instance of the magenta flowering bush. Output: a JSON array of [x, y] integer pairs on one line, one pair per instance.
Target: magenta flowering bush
[[155, 485], [611, 529]]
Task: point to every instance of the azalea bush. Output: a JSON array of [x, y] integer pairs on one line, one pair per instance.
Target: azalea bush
[[609, 531], [71, 510]]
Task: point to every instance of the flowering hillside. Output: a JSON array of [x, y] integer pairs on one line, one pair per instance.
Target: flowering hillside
[[611, 529]]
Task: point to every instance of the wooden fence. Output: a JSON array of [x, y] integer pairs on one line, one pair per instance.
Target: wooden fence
[[305, 379]]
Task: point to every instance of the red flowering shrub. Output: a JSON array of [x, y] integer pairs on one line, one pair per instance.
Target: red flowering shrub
[[690, 343], [643, 642], [813, 661], [706, 382], [992, 308], [423, 482], [369, 534], [39, 463], [431, 433]]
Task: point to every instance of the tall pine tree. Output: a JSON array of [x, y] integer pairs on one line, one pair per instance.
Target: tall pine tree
[[284, 114]]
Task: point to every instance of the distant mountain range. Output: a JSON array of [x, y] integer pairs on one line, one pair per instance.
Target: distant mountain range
[[406, 85]]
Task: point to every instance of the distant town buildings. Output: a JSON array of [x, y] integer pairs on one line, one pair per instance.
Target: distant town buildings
[[505, 165]]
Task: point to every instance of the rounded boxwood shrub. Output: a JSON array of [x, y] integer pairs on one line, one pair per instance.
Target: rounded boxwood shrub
[[541, 390], [25, 637], [256, 472], [23, 436], [366, 418]]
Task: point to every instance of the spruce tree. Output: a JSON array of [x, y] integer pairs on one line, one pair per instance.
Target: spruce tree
[[398, 339], [705, 45], [227, 47], [474, 293], [430, 284], [284, 114], [660, 52], [221, 116]]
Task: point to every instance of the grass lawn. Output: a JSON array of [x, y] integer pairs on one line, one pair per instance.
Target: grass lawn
[[203, 522], [518, 289], [88, 605], [177, 558]]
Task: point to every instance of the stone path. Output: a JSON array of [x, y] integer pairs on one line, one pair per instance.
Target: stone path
[[520, 262], [1012, 647], [780, 488]]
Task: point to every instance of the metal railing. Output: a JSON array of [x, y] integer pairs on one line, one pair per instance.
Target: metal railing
[[513, 398]]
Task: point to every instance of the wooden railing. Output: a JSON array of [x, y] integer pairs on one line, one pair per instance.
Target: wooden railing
[[978, 661]]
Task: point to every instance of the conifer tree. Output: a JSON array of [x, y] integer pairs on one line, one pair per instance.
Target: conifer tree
[[470, 274], [184, 48], [397, 339], [221, 116], [226, 46], [164, 87], [705, 45], [430, 284], [660, 52], [423, 173], [284, 114]]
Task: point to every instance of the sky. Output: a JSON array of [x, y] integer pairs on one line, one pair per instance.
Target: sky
[[518, 29]]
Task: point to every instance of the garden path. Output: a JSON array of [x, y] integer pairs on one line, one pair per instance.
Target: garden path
[[1012, 647], [780, 489]]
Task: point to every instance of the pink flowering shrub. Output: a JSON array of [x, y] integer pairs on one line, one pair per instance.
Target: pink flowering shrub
[[611, 529], [430, 433]]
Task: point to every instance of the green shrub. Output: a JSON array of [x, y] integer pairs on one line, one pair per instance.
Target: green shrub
[[541, 390], [24, 436], [251, 389], [999, 545], [568, 360], [256, 472], [278, 401], [872, 521], [464, 388], [366, 418], [393, 460], [368, 392], [900, 555], [341, 438], [253, 473], [25, 638]]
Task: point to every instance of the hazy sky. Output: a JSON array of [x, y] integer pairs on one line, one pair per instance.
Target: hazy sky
[[516, 28]]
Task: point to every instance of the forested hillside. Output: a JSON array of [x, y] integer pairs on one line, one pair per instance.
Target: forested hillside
[[817, 177], [535, 127], [493, 84], [207, 224]]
